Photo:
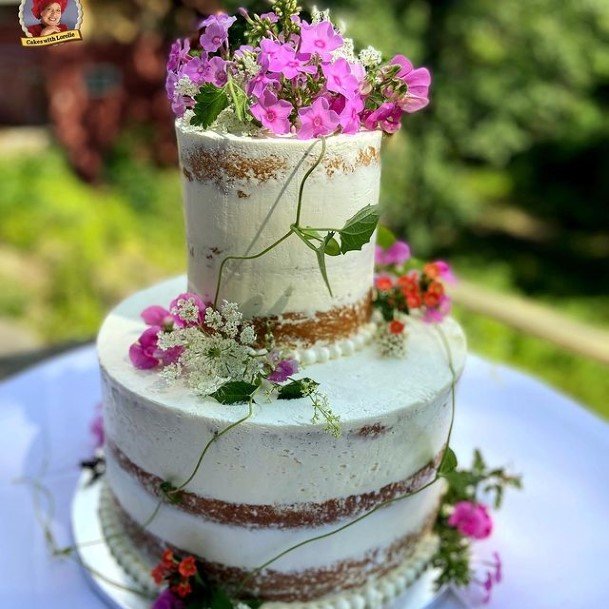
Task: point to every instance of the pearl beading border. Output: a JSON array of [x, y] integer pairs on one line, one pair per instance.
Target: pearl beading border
[[323, 354], [373, 595]]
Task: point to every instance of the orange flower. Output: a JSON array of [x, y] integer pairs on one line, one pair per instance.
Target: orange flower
[[431, 270], [188, 567], [396, 327], [434, 294], [168, 559], [383, 283], [183, 589], [158, 574]]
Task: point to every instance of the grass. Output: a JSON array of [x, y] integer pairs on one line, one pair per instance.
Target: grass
[[68, 252]]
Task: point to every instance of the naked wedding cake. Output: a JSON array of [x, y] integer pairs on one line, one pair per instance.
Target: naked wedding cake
[[276, 419]]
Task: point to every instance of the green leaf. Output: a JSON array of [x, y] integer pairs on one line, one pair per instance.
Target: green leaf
[[209, 102], [239, 97], [321, 261], [385, 238], [359, 229], [449, 462], [220, 600], [297, 389], [234, 392], [331, 245]]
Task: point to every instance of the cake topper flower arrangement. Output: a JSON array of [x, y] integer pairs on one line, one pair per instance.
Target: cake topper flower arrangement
[[288, 72]]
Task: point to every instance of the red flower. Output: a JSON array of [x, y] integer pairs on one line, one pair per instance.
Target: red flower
[[434, 294], [168, 559], [383, 283], [396, 327], [183, 589], [158, 574], [188, 567]]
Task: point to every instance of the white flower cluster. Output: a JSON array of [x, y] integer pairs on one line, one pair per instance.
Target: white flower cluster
[[185, 86], [210, 359], [228, 122], [370, 57], [318, 16], [390, 344], [346, 51]]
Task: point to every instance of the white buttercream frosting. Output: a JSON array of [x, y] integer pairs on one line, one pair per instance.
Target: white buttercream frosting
[[250, 202]]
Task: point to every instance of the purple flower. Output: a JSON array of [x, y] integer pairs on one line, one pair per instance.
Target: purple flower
[[317, 120], [283, 371], [418, 81], [271, 17], [221, 19], [268, 49], [285, 61], [387, 117], [143, 352], [471, 519], [167, 600], [319, 38], [170, 85], [179, 104], [273, 113], [199, 70], [214, 36], [339, 78], [397, 254], [178, 54], [219, 74], [436, 314]]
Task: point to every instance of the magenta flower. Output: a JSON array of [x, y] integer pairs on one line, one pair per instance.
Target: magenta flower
[[437, 314], [471, 519], [221, 19], [268, 49], [167, 600], [273, 113], [199, 70], [143, 353], [157, 316], [97, 428], [350, 119], [285, 61], [317, 120], [196, 300], [319, 39], [418, 81], [397, 254], [339, 78], [445, 271], [387, 117], [214, 36], [178, 54], [283, 371]]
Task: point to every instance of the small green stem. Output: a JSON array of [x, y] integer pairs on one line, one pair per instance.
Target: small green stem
[[213, 439], [260, 254], [452, 390], [306, 177]]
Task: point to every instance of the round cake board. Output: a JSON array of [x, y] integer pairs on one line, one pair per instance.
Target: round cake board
[[118, 590]]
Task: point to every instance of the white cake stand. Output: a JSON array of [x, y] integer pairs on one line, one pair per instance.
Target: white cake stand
[[116, 588]]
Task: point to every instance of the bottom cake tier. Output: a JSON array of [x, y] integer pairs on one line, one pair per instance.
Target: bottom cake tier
[[137, 551]]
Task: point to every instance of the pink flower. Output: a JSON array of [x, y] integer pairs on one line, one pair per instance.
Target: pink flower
[[97, 428], [157, 316], [273, 113], [349, 116], [418, 81], [437, 314], [319, 38], [167, 600], [268, 49], [339, 78], [284, 370], [143, 352], [214, 36], [387, 117], [221, 19], [199, 70], [471, 519], [285, 61], [445, 271], [196, 300], [317, 120], [397, 254], [170, 85], [178, 54]]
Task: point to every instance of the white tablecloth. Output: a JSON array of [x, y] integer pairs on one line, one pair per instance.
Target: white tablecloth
[[553, 536]]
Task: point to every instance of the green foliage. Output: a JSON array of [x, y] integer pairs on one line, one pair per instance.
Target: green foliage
[[358, 230], [209, 102], [297, 389], [234, 392]]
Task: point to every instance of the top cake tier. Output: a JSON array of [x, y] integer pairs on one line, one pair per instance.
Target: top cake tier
[[241, 195]]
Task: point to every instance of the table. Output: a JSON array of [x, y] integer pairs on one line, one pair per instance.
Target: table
[[553, 535]]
